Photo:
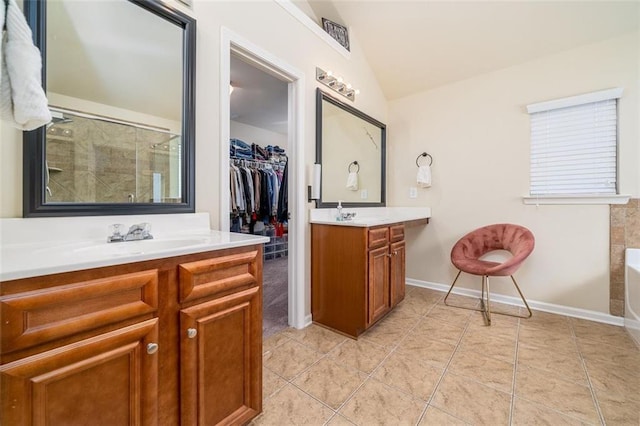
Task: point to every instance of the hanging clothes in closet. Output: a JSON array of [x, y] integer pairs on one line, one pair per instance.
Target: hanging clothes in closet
[[257, 177]]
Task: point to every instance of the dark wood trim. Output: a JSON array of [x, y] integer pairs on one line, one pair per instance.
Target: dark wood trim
[[33, 197], [320, 96]]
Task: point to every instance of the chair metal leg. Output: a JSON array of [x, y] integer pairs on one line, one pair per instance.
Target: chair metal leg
[[523, 299], [486, 306], [485, 303], [451, 288]]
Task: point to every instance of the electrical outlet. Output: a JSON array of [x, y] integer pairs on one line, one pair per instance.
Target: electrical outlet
[[364, 194], [413, 192]]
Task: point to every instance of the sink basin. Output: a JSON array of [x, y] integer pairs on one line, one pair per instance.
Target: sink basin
[[139, 247]]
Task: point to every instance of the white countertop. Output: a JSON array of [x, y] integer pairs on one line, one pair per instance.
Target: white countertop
[[370, 216], [43, 246]]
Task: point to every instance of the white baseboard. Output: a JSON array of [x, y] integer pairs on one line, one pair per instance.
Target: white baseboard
[[540, 306]]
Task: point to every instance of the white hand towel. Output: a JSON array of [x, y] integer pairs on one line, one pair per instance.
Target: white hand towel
[[352, 181], [424, 176], [22, 101]]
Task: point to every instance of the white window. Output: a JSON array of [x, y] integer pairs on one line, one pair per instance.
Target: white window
[[574, 145]]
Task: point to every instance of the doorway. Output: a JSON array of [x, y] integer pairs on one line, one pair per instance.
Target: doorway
[[258, 160], [236, 48]]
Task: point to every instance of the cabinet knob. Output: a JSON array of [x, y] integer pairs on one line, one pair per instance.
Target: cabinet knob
[[191, 333], [152, 348]]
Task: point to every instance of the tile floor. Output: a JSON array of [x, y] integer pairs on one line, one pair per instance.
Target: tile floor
[[429, 364]]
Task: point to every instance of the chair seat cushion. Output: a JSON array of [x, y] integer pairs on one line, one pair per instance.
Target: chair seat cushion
[[476, 266], [466, 253]]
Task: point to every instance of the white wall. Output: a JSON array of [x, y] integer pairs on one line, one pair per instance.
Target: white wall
[[477, 131], [267, 25], [255, 21], [257, 135]]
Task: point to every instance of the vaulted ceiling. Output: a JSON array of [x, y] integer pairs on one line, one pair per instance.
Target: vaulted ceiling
[[414, 46]]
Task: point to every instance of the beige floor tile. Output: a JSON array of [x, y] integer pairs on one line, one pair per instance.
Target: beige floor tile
[[402, 319], [416, 306], [435, 329], [409, 375], [359, 354], [565, 364], [595, 351], [316, 337], [615, 379], [388, 333], [330, 382], [559, 340], [462, 301], [437, 417], [548, 389], [271, 383], [509, 310], [546, 320], [431, 351], [289, 359], [492, 346], [426, 293], [532, 414], [338, 420], [291, 406], [472, 401], [274, 341], [501, 326], [605, 333], [618, 409], [377, 404], [491, 372], [449, 314]]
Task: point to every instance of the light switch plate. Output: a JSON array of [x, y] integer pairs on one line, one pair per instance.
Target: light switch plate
[[364, 194], [413, 192]]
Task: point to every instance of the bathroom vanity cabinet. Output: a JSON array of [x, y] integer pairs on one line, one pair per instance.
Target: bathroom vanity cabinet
[[161, 342], [357, 274]]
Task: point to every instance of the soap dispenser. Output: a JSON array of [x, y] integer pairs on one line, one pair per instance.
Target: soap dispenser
[[339, 215]]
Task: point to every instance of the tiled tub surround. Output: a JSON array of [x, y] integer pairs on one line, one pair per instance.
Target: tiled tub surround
[[624, 232], [100, 161], [429, 364], [42, 246]]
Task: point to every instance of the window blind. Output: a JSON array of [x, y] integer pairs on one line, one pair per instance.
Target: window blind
[[574, 149]]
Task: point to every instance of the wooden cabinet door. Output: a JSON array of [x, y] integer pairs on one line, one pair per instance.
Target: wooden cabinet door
[[221, 360], [109, 379], [397, 274], [378, 289]]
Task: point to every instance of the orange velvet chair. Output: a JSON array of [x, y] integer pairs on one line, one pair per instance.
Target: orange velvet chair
[[467, 252]]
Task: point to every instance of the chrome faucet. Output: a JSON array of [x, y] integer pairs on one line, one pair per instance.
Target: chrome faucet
[[137, 232]]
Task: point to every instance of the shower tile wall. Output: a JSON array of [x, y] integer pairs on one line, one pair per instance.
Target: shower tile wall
[[624, 232], [97, 161]]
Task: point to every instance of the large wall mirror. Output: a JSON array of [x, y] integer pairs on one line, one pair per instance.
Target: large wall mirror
[[351, 147], [119, 77]]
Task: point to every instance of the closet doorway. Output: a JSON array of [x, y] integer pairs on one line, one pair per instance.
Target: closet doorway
[[258, 164], [233, 44]]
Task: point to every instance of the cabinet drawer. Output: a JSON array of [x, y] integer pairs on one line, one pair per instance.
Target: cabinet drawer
[[378, 237], [220, 275], [397, 233], [41, 316]]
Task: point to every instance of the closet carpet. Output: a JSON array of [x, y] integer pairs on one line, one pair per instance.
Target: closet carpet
[[274, 296]]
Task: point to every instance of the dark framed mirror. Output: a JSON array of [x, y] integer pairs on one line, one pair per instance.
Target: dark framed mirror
[[119, 78], [351, 147]]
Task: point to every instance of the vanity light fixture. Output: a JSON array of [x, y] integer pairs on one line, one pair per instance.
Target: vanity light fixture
[[337, 84]]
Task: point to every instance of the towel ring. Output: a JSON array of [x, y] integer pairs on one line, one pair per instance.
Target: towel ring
[[424, 154], [354, 163]]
